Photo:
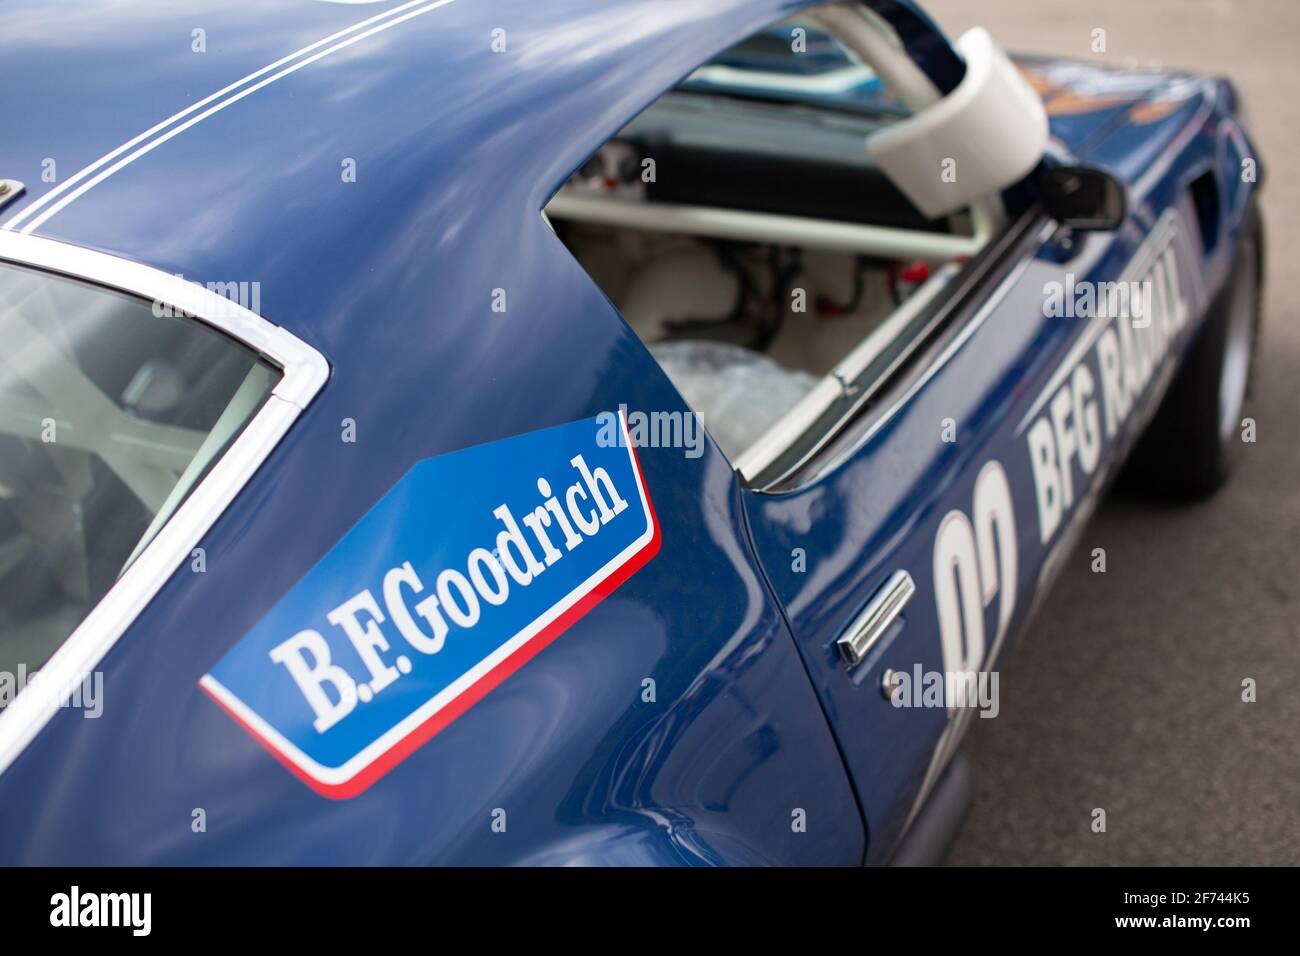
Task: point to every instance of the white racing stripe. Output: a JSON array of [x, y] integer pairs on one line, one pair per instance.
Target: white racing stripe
[[376, 24]]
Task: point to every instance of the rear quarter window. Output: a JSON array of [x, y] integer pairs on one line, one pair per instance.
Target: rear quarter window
[[112, 409]]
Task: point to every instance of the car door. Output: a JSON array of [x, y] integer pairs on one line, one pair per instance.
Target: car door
[[898, 496], [933, 518]]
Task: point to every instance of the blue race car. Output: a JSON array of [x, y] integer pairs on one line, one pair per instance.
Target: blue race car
[[626, 432]]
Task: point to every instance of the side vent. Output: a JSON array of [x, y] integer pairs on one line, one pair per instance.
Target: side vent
[[1205, 197]]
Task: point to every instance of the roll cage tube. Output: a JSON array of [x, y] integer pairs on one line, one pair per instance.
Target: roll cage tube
[[924, 42]]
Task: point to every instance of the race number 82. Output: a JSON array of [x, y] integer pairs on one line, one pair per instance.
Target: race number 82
[[975, 560]]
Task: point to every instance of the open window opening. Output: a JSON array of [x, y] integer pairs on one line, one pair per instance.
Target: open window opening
[[745, 230]]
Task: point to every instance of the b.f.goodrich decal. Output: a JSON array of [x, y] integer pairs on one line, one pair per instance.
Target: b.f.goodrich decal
[[464, 571]]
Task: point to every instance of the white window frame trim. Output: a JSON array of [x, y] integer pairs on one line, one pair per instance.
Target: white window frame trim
[[305, 372]]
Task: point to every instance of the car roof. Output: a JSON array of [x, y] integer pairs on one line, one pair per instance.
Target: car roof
[[223, 133]]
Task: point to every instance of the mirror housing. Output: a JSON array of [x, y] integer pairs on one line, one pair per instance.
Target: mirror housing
[[1082, 198]]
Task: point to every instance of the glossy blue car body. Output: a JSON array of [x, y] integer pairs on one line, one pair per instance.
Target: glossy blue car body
[[759, 747]]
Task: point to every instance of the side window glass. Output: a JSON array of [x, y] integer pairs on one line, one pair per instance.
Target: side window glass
[[111, 411]]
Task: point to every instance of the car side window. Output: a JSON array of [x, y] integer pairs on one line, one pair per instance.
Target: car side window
[[111, 411]]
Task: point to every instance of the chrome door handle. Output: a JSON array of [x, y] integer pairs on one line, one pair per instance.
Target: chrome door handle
[[870, 626]]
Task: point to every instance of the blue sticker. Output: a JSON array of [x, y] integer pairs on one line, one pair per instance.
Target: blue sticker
[[464, 570]]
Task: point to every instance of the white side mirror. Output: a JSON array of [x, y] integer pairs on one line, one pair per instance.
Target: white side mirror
[[984, 136]]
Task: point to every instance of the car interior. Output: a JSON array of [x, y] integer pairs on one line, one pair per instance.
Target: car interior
[[747, 237]]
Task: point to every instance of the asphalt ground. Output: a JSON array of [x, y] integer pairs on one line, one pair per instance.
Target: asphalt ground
[[1126, 694]]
